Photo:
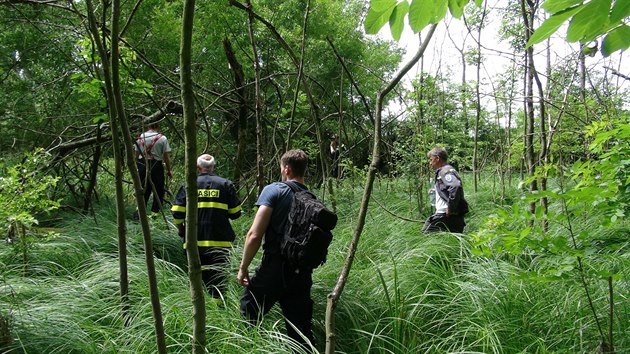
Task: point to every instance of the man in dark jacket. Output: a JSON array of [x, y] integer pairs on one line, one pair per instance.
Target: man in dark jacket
[[217, 203], [450, 205]]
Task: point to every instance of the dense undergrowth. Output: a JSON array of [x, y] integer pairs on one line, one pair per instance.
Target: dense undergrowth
[[407, 293]]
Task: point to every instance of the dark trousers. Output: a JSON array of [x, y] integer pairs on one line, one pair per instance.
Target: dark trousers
[[156, 177], [214, 264], [442, 223], [274, 282]]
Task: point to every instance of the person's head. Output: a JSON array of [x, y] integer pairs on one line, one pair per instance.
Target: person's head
[[206, 163], [438, 157], [293, 164], [152, 124]]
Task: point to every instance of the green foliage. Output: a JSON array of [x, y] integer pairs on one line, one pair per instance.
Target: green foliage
[[408, 293], [420, 14], [25, 193], [396, 20], [598, 191], [609, 175], [590, 20], [379, 14], [568, 240]]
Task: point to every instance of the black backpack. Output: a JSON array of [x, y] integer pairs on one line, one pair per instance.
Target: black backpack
[[307, 234]]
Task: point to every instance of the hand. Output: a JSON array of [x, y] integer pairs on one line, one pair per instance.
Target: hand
[[169, 174], [243, 277]]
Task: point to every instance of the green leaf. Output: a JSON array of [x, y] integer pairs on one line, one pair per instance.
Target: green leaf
[[382, 5], [100, 118], [421, 13], [441, 7], [591, 18], [397, 19], [620, 10], [551, 25], [455, 8], [554, 6], [600, 21], [617, 39], [378, 15]]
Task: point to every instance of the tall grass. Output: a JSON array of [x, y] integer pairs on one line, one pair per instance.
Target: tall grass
[[407, 292]]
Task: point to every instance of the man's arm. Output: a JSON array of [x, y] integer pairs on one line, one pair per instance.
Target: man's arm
[[179, 211], [454, 186], [253, 240], [167, 160], [234, 203]]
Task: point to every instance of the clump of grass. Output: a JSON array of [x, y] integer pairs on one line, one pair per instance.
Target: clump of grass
[[407, 292], [5, 330]]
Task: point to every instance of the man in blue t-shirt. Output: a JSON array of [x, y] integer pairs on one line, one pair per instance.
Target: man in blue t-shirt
[[274, 281]]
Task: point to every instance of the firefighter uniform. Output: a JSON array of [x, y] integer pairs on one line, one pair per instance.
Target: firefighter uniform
[[217, 203]]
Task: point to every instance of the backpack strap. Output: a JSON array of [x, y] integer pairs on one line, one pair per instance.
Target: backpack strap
[[294, 186], [147, 150]]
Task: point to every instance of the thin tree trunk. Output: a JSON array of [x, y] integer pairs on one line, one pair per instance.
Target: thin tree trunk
[[305, 85], [530, 157], [260, 178], [197, 288], [509, 123], [300, 73], [334, 296], [118, 161], [241, 121], [87, 200], [146, 231], [545, 148]]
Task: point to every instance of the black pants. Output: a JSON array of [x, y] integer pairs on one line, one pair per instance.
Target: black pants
[[442, 223], [214, 264], [156, 176], [274, 282]]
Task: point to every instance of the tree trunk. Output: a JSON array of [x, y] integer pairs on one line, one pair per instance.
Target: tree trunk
[[146, 231], [544, 156], [530, 157], [315, 111], [96, 158], [334, 296], [118, 161], [241, 120], [260, 178], [478, 102], [197, 289]]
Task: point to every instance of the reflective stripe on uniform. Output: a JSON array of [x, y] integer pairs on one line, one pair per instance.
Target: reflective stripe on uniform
[[178, 221], [214, 205], [234, 210], [207, 205], [178, 208], [205, 243]]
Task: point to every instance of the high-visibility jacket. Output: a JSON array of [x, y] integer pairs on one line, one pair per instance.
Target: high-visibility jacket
[[217, 203]]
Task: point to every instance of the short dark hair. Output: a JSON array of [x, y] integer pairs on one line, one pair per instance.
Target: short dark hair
[[150, 123], [297, 160], [439, 152]]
